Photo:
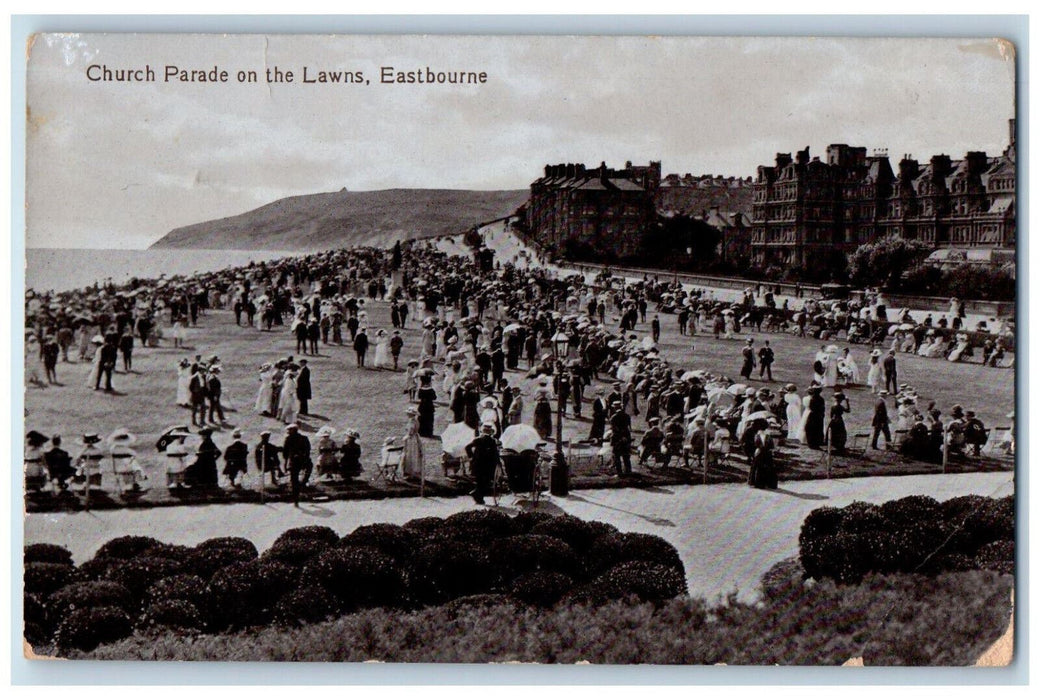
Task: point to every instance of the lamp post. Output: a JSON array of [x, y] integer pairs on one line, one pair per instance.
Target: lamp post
[[559, 477]]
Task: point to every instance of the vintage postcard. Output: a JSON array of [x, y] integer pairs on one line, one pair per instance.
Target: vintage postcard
[[618, 350]]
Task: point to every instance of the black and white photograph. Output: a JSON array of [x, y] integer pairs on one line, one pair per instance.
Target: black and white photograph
[[682, 351]]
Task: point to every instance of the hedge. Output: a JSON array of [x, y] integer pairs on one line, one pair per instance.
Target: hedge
[[916, 534], [174, 615], [246, 593], [44, 577], [311, 573], [86, 629], [47, 553], [357, 576], [392, 540]]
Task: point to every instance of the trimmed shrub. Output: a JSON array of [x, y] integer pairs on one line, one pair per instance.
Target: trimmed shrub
[[916, 534], [425, 525], [96, 569], [648, 581], [138, 574], [862, 517], [187, 587], [820, 523], [204, 562], [445, 570], [358, 577], [997, 556], [784, 580], [392, 540], [38, 629], [173, 615], [87, 595], [88, 628], [610, 550], [309, 532], [245, 593], [574, 531], [541, 588], [43, 578], [295, 553], [48, 553], [839, 556], [911, 510], [479, 525], [176, 552], [126, 547], [234, 543], [525, 520], [519, 554], [305, 605]]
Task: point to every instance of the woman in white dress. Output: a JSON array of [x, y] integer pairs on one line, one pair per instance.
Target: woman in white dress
[[851, 368], [263, 394], [288, 403], [412, 459], [874, 372], [794, 412], [95, 370], [382, 359], [184, 383]]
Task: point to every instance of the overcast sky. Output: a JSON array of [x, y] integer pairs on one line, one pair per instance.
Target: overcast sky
[[117, 165]]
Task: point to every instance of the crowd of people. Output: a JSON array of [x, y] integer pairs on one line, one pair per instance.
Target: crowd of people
[[481, 334]]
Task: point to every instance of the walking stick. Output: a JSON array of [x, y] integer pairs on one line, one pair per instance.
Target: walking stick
[[945, 450], [827, 435], [707, 454], [263, 470]]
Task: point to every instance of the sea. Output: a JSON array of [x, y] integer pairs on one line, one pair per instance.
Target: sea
[[64, 269]]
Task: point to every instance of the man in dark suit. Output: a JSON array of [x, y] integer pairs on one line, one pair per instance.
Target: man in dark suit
[[59, 464], [483, 454], [765, 361], [621, 440], [303, 387], [880, 421], [889, 366], [297, 451], [109, 354], [361, 346], [214, 389]]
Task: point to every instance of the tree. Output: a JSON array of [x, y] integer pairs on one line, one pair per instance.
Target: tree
[[884, 261]]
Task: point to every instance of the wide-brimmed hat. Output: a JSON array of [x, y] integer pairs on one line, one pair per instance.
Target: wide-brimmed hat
[[90, 439], [36, 438], [205, 432], [292, 426], [412, 411], [325, 431], [236, 433], [122, 436], [487, 428]]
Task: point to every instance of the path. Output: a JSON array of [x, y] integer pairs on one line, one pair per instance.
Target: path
[[727, 535]]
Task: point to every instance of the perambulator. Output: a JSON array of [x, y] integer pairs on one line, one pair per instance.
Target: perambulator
[[522, 474]]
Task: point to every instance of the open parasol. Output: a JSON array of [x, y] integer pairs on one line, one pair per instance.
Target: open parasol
[[455, 438], [736, 389], [520, 437]]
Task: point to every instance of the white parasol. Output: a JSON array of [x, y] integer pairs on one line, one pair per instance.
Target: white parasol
[[736, 389], [759, 415], [455, 438], [520, 438]]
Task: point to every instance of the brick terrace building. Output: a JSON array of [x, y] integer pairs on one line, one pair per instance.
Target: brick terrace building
[[608, 209], [804, 208]]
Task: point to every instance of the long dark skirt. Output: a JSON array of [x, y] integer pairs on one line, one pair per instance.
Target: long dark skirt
[[814, 430], [839, 435], [426, 413], [543, 419]]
